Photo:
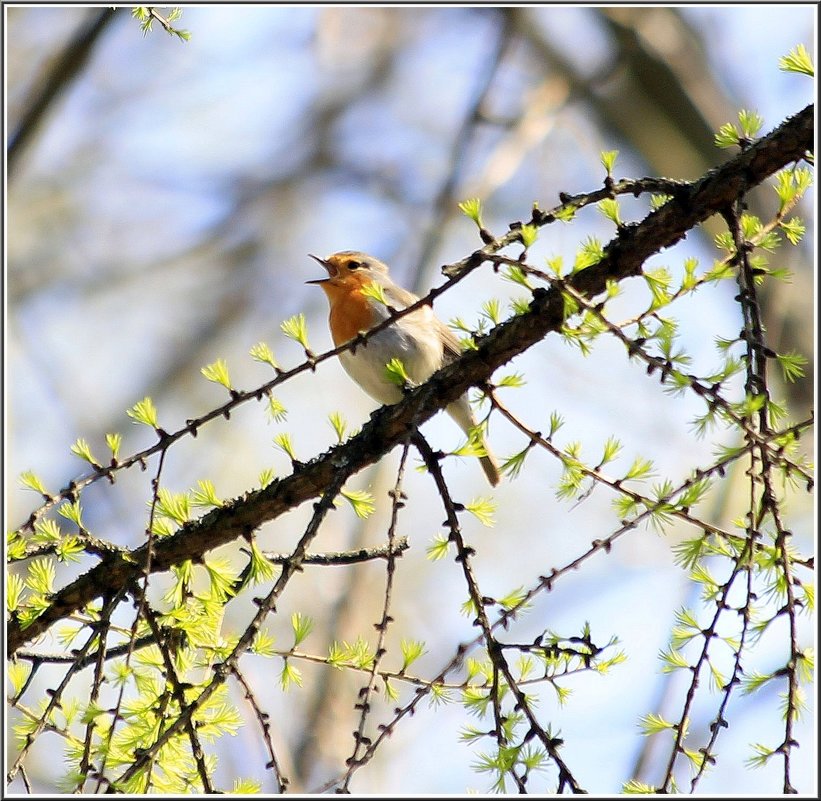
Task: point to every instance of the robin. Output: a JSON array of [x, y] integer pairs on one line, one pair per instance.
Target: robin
[[421, 341]]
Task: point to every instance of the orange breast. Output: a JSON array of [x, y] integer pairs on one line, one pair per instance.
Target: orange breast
[[350, 312]]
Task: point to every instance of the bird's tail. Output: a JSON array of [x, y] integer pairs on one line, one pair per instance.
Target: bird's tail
[[490, 466], [460, 411]]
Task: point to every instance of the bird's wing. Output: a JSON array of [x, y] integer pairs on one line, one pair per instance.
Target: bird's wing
[[398, 297], [453, 348], [402, 299]]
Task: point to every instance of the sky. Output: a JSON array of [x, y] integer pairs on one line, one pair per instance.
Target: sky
[[162, 220]]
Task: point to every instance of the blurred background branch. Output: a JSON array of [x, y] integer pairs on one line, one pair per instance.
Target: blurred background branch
[[54, 78]]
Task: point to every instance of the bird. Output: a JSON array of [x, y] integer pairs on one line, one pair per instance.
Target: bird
[[419, 339]]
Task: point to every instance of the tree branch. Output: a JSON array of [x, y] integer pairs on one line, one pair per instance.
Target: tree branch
[[623, 257]]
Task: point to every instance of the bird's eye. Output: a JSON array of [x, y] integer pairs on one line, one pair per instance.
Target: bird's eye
[[354, 265]]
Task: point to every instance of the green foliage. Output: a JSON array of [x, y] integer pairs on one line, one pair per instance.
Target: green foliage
[[73, 512], [566, 212], [635, 787], [517, 275], [144, 412], [591, 253], [40, 581], [357, 654], [556, 422], [245, 787], [555, 266], [175, 506], [68, 549], [483, 510], [266, 477], [283, 442], [262, 353], [396, 373], [513, 465], [794, 230], [750, 123], [512, 380], [30, 481], [411, 651], [302, 626], [218, 373], [361, 501], [507, 759], [474, 445], [515, 598], [460, 326], [797, 60], [206, 495], [492, 311], [221, 577], [640, 470], [114, 442], [14, 591], [438, 549], [653, 724], [612, 448], [275, 410], [15, 546], [760, 757], [529, 234], [375, 291], [552, 657], [264, 643], [218, 719], [472, 209], [727, 135], [573, 472], [339, 425], [260, 569], [609, 207], [721, 269], [730, 134], [296, 328], [790, 185], [792, 365], [147, 15], [82, 449], [659, 282], [17, 672], [608, 160]]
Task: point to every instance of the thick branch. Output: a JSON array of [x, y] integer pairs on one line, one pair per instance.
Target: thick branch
[[623, 257]]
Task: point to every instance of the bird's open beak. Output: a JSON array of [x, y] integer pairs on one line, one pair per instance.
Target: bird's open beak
[[326, 265]]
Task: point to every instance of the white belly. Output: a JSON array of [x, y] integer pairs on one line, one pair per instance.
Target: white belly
[[366, 365]]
